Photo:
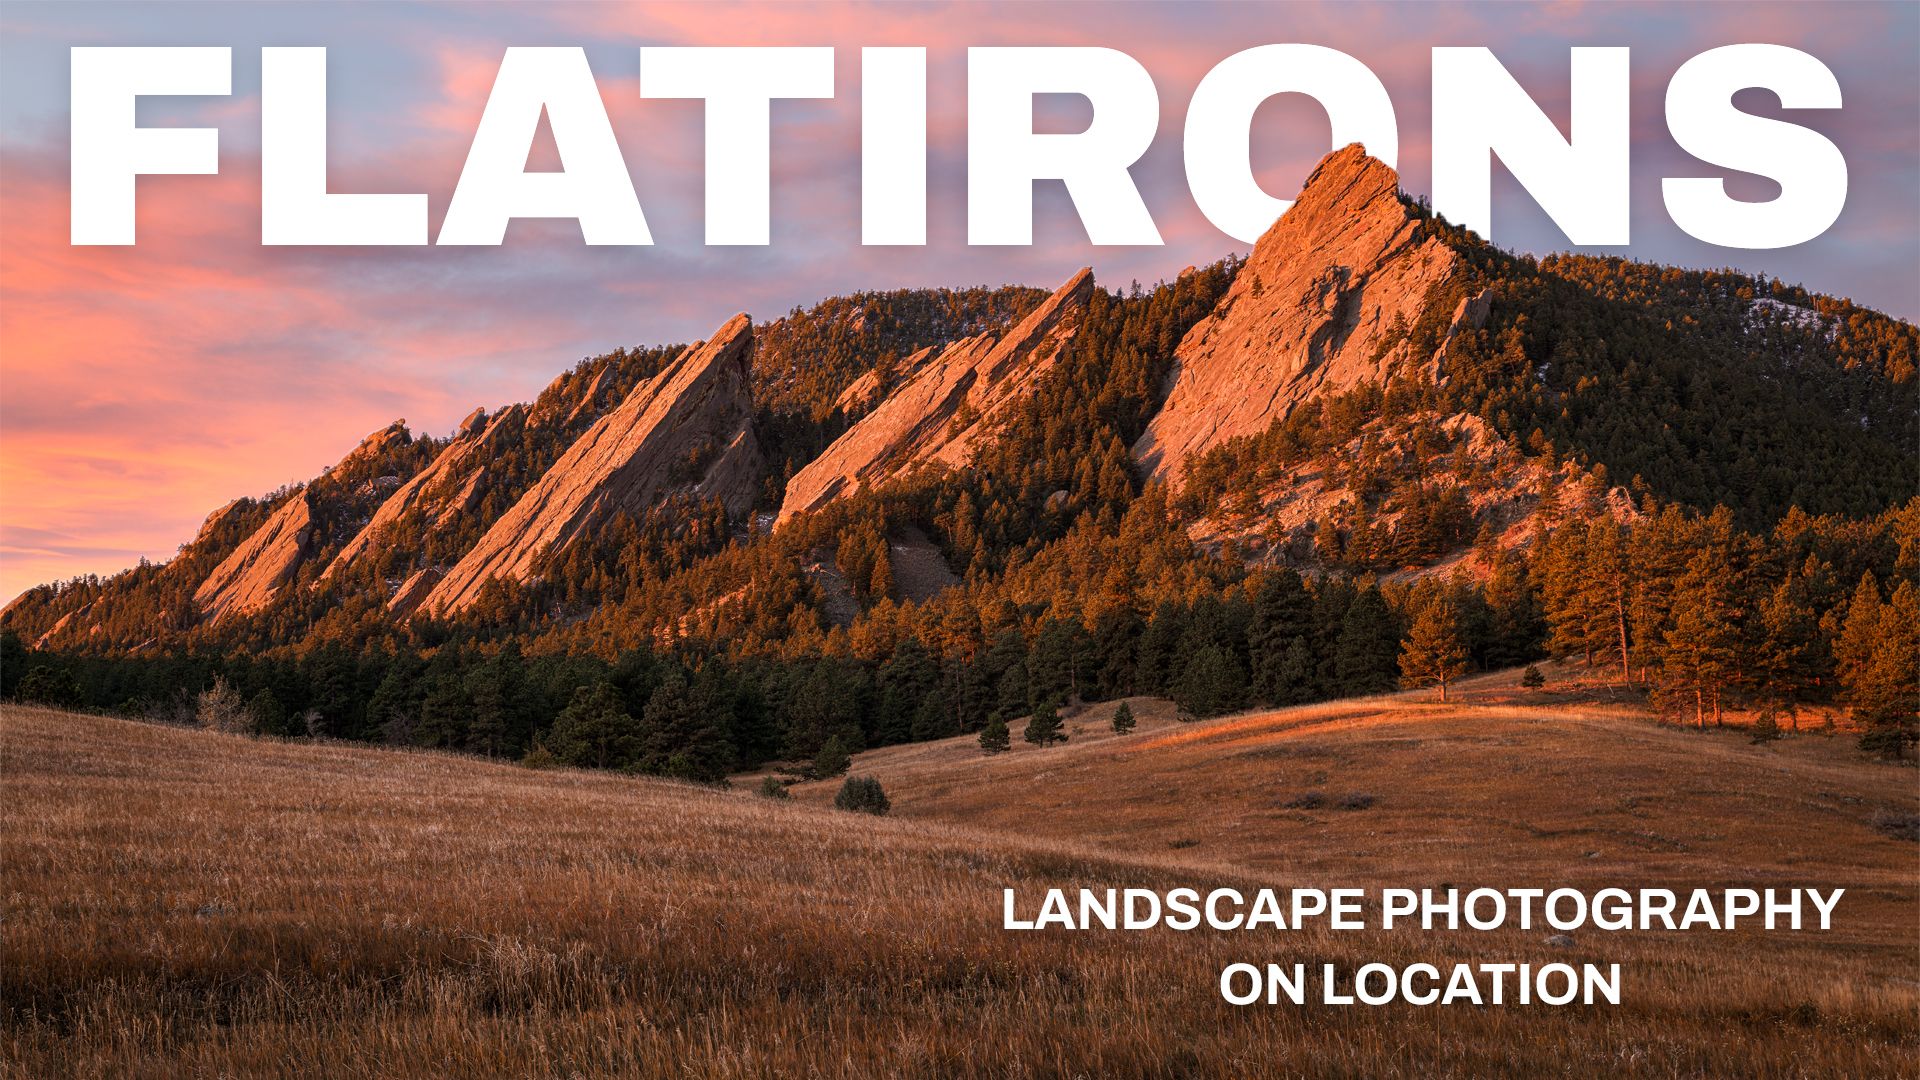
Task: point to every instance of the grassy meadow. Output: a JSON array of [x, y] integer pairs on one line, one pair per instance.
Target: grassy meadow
[[182, 903]]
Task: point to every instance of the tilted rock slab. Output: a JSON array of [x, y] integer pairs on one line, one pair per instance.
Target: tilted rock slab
[[448, 487], [1314, 309], [686, 430], [251, 575], [948, 402]]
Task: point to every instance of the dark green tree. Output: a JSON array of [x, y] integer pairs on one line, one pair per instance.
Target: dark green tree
[[1044, 728], [994, 738], [595, 730]]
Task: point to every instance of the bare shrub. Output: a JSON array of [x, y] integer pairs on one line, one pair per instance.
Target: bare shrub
[[220, 708]]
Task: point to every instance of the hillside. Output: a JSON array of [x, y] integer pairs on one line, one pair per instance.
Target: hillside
[[189, 903], [1555, 785]]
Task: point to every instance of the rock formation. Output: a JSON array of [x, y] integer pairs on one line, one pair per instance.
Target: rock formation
[[1322, 303], [949, 399], [251, 575], [686, 430], [448, 487]]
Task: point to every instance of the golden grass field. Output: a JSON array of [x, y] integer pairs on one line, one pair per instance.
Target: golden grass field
[[181, 903]]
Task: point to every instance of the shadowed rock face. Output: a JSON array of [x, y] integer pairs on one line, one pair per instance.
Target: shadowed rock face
[[1317, 307], [948, 402], [687, 430], [448, 487]]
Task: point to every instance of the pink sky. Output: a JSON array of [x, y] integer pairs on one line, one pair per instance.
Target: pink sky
[[142, 387]]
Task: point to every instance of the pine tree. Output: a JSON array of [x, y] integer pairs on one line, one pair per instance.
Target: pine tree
[[1853, 646], [1884, 690], [595, 729], [994, 738], [1282, 615], [1043, 728], [684, 734], [1699, 661], [1434, 654], [1367, 655], [832, 760], [1788, 659], [1213, 684], [1123, 719], [1607, 594], [1016, 696]]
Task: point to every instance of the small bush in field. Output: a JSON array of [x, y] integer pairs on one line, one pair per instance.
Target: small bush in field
[[774, 789], [1123, 719], [539, 757], [1533, 678], [862, 794]]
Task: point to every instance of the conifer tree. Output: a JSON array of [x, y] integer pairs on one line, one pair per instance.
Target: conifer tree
[[1367, 655], [1282, 615], [1043, 728], [1434, 653], [1884, 689], [1123, 721], [684, 735], [1214, 683], [1701, 655], [595, 729], [994, 738], [832, 760]]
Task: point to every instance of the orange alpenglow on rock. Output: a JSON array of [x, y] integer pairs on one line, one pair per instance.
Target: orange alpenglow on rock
[[1335, 278], [251, 575], [451, 485], [686, 430], [948, 402]]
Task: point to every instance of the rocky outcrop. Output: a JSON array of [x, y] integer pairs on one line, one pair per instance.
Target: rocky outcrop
[[445, 489], [1324, 302], [687, 430], [413, 591], [251, 575], [948, 400]]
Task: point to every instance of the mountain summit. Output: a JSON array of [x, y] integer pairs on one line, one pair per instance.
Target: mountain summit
[[1323, 303]]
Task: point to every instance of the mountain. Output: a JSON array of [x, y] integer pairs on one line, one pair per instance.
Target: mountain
[[248, 579], [895, 515], [1322, 304]]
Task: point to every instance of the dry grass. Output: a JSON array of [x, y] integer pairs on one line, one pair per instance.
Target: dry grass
[[188, 904]]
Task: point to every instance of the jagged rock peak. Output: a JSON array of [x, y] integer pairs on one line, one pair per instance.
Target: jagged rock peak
[[1322, 303], [948, 401], [375, 444], [688, 430]]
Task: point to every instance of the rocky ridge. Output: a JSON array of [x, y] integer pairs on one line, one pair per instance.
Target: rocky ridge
[[451, 485], [252, 574], [686, 430], [946, 403]]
